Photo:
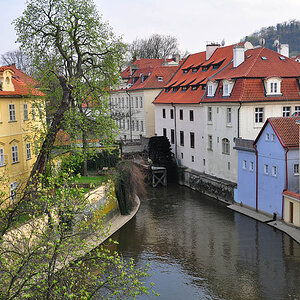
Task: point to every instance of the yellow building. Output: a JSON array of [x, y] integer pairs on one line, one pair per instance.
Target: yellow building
[[21, 122]]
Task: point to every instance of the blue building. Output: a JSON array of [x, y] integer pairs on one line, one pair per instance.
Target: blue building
[[269, 165]]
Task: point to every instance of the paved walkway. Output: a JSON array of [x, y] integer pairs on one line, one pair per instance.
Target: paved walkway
[[291, 231]]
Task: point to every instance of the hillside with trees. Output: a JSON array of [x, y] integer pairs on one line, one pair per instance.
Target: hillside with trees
[[286, 33]]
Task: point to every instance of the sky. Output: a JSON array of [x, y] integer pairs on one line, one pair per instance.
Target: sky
[[192, 22]]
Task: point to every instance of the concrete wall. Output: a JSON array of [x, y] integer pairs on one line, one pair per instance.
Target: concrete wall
[[296, 209]]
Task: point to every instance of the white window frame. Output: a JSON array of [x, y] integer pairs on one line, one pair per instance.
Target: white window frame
[[286, 111], [226, 146], [251, 166], [2, 158], [28, 150], [259, 115], [273, 86], [267, 137], [141, 102], [274, 171], [273, 137], [244, 164], [25, 109], [266, 169], [12, 112], [210, 142], [296, 169], [14, 154], [229, 115], [209, 114], [142, 126]]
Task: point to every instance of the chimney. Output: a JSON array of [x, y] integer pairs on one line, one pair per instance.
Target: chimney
[[210, 49], [176, 58], [283, 49], [238, 55]]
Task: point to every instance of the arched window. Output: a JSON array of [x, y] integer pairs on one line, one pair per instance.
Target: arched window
[[225, 146]]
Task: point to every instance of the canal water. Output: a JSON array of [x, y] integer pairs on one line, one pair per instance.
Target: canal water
[[199, 249]]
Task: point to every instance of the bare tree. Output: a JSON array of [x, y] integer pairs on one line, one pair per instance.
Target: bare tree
[[156, 46]]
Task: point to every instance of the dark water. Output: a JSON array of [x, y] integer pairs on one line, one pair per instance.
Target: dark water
[[199, 249]]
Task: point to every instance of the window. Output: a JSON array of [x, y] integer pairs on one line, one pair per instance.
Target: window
[[195, 87], [136, 102], [132, 122], [164, 113], [251, 166], [193, 159], [296, 169], [181, 138], [274, 171], [171, 113], [297, 110], [209, 114], [123, 103], [164, 132], [225, 146], [192, 139], [13, 190], [191, 115], [28, 151], [228, 165], [12, 112], [172, 136], [267, 137], [209, 142], [14, 154], [131, 103], [2, 161], [244, 164], [33, 111], [25, 108], [180, 114], [259, 115], [142, 126], [159, 78], [141, 102], [286, 112], [184, 88], [181, 155], [203, 161], [266, 169], [127, 102], [210, 91], [127, 124], [225, 90], [273, 87], [36, 148], [273, 137], [229, 115], [137, 126]]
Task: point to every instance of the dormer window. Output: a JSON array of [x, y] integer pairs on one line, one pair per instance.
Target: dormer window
[[273, 86], [175, 89], [195, 87], [184, 88], [167, 90], [185, 71], [205, 68], [227, 87], [160, 78], [211, 88], [194, 70]]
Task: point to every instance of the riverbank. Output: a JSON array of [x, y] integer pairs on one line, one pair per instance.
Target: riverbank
[[293, 232]]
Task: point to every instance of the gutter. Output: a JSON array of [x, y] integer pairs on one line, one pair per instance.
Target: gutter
[[238, 120], [286, 182], [256, 179]]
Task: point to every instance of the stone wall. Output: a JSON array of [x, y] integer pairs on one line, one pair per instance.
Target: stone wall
[[211, 186]]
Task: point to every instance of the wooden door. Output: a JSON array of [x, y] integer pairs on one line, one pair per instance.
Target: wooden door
[[291, 212]]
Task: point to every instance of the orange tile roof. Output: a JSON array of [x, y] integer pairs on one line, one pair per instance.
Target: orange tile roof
[[286, 129], [221, 55], [22, 88], [23, 76], [292, 194]]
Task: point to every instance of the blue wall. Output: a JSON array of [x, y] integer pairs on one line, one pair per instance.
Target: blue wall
[[246, 179], [270, 187], [293, 180]]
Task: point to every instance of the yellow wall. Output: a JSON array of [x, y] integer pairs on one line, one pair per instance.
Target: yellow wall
[[296, 209], [19, 133]]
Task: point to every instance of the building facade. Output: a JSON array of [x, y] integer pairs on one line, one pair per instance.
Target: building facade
[[21, 121]]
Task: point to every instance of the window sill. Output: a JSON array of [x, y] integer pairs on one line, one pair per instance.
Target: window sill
[[209, 122], [209, 149], [229, 125], [16, 162], [12, 121], [2, 166], [258, 125], [29, 158], [225, 153]]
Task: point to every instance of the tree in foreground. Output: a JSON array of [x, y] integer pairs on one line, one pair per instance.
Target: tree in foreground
[[75, 57]]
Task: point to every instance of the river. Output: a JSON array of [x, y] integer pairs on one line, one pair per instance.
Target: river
[[199, 249]]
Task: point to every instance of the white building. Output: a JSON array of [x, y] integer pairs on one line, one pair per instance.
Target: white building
[[229, 92]]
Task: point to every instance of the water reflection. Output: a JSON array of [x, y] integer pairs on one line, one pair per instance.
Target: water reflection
[[199, 249]]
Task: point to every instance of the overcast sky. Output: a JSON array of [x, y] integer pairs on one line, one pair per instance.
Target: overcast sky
[[193, 22]]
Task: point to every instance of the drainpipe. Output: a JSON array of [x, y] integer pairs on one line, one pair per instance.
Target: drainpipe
[[286, 182], [256, 180], [175, 129], [130, 125], [238, 120]]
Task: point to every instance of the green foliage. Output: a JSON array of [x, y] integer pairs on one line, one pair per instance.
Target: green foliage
[[72, 163], [286, 33], [103, 159]]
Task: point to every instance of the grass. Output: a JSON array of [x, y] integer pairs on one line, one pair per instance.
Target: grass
[[95, 180]]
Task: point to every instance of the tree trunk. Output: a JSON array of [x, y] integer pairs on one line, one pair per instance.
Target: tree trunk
[[85, 152], [47, 146]]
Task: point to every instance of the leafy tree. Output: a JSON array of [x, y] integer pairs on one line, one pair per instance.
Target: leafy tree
[[156, 46], [75, 56]]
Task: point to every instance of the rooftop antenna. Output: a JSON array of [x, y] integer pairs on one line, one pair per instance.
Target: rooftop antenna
[[262, 42]]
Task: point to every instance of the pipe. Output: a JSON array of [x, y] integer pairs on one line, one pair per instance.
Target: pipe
[[256, 179], [130, 125], [175, 129], [238, 119], [286, 182]]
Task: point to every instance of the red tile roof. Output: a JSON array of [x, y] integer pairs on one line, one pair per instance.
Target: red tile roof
[[22, 88], [286, 129], [292, 194], [222, 54], [23, 76], [248, 77]]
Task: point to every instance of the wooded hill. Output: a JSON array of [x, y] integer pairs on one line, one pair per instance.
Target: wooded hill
[[286, 33]]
